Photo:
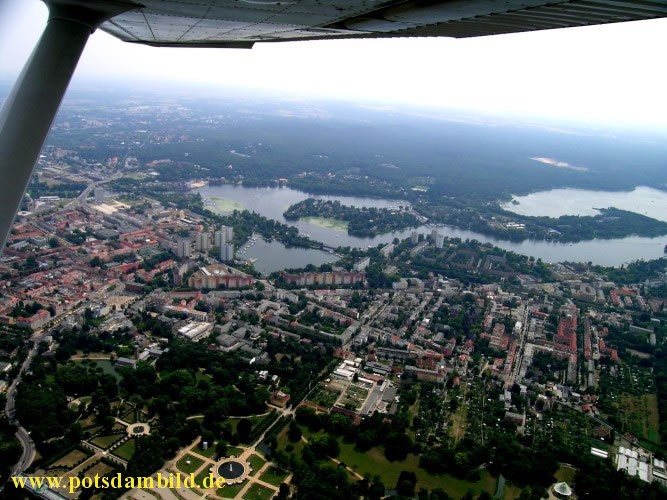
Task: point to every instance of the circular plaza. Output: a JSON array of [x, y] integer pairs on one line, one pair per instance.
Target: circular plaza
[[233, 470]]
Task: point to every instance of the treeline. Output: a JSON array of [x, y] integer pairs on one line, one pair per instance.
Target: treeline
[[65, 190], [635, 272], [363, 221]]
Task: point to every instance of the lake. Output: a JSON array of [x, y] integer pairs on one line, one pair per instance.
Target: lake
[[272, 202], [274, 256], [556, 202]]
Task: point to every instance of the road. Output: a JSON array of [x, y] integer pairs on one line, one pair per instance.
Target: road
[[82, 199], [29, 450], [518, 356], [28, 454]]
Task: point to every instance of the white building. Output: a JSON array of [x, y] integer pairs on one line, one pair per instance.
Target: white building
[[183, 248], [227, 252], [202, 242], [362, 264], [100, 195], [223, 236], [387, 250]]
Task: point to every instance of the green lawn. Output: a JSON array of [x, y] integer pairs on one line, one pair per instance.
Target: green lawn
[[130, 417], [566, 474], [373, 462], [274, 476], [254, 420], [108, 440], [257, 492], [256, 463], [201, 476], [194, 464], [126, 450], [209, 453], [230, 490], [233, 451]]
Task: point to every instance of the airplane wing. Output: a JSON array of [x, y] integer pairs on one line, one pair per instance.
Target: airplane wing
[[241, 23]]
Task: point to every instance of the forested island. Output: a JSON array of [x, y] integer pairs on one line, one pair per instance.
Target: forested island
[[364, 221]]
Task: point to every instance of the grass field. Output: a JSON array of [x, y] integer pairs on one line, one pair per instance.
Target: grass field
[[258, 492], [254, 420], [107, 441], [130, 417], [186, 467], [639, 415], [566, 474], [458, 428], [209, 453], [126, 450], [230, 490], [338, 225], [70, 460], [373, 462], [199, 479], [274, 476], [256, 463], [233, 451], [99, 468]]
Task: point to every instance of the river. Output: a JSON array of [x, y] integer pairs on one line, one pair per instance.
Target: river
[[272, 202]]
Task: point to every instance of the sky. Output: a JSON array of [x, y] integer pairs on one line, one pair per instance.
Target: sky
[[611, 74]]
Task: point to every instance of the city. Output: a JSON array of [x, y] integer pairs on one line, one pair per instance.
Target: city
[[136, 337]]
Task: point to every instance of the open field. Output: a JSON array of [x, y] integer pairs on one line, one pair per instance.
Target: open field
[[126, 450], [639, 415], [274, 476], [373, 462], [565, 473], [209, 453], [338, 225], [258, 492], [458, 428], [99, 468], [256, 463], [254, 420], [107, 441], [70, 460], [230, 490], [186, 467]]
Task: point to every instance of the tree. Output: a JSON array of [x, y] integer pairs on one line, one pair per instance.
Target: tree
[[376, 490], [405, 486], [397, 446], [283, 491], [243, 429], [221, 448], [294, 432]]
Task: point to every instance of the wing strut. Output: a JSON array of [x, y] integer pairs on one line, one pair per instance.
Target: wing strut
[[28, 112]]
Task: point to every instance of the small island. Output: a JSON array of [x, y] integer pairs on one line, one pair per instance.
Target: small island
[[364, 221]]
